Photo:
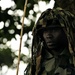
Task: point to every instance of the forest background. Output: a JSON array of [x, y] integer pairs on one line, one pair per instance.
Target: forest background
[[11, 12]]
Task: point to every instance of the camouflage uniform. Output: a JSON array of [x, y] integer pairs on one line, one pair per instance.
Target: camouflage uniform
[[64, 63]]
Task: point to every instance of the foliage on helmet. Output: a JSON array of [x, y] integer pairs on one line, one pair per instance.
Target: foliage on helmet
[[52, 16]]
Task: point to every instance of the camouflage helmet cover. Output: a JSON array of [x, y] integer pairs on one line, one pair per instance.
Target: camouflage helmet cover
[[57, 17]]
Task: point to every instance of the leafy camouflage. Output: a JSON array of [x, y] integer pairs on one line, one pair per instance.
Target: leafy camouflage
[[64, 19]]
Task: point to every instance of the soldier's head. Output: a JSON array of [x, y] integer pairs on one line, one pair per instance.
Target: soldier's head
[[54, 28]]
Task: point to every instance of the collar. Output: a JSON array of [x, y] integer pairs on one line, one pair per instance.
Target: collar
[[48, 55]]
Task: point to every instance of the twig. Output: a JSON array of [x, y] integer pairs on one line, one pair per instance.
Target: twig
[[21, 37]]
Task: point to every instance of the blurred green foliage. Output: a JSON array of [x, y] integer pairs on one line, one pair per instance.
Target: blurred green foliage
[[6, 55]]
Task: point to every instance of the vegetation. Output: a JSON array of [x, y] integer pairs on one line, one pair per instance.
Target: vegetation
[[11, 22]]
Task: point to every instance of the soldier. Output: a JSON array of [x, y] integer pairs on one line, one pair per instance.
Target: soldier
[[53, 47]]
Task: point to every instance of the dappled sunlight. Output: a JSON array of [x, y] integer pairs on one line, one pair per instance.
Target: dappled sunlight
[[6, 4], [1, 24], [15, 60], [2, 46], [30, 35], [14, 43], [31, 17], [18, 26], [4, 40], [42, 5], [26, 21], [8, 43], [18, 12], [31, 12], [36, 8], [25, 51], [7, 23], [11, 72], [11, 31], [10, 12], [22, 67], [50, 4], [24, 38], [37, 16], [4, 69]]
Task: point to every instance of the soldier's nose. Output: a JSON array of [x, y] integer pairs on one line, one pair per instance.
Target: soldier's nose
[[49, 35]]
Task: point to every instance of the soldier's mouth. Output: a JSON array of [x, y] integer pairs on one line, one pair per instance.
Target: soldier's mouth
[[50, 43]]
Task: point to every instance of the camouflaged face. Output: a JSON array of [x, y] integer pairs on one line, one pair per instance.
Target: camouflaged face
[[55, 17], [48, 18]]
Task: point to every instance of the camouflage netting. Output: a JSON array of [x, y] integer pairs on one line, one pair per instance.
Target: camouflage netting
[[63, 17]]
